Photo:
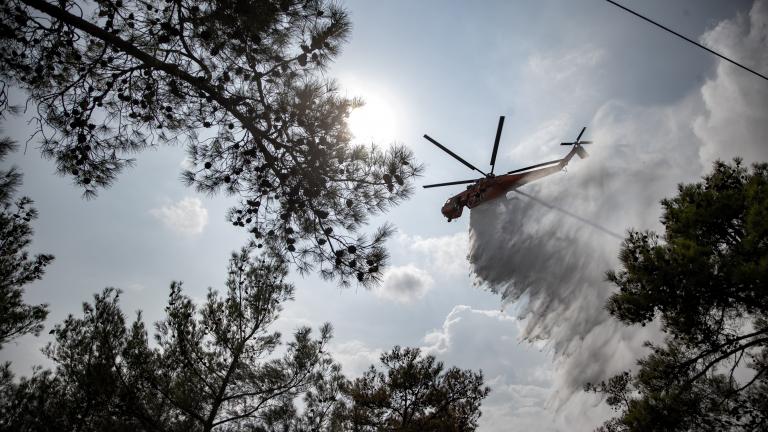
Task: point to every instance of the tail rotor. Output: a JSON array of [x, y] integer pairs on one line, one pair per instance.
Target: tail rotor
[[578, 144]]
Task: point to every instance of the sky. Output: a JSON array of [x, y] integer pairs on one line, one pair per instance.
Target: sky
[[515, 288]]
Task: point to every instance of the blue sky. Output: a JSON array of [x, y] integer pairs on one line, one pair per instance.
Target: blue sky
[[659, 109]]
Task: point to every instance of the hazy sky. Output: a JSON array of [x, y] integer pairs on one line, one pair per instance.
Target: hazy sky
[[659, 109]]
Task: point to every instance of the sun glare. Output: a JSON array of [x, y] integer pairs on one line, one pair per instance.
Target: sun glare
[[375, 121]]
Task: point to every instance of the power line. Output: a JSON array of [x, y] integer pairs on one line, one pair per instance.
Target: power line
[[689, 40]]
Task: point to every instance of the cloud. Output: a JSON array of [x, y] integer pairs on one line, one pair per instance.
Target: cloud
[[355, 357], [445, 255], [484, 339], [736, 120], [520, 376], [187, 216], [404, 284], [521, 405]]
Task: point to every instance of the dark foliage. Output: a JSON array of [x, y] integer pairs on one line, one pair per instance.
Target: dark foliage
[[706, 279], [414, 393], [219, 367], [17, 268], [213, 367], [236, 81]]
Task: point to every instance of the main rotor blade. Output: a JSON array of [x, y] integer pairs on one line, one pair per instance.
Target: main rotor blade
[[578, 142], [535, 166], [457, 157], [496, 143], [449, 183], [581, 133], [585, 142]]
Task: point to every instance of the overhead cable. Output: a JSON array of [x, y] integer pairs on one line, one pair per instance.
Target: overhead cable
[[688, 39]]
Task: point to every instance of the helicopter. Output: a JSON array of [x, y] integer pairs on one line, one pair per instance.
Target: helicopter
[[490, 186]]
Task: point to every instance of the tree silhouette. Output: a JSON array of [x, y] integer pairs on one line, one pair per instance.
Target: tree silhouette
[[17, 268], [219, 367], [237, 82], [706, 279], [214, 367], [414, 393]]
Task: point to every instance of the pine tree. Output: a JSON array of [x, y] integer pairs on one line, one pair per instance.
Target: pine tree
[[217, 366], [413, 393], [17, 268], [706, 280], [237, 82]]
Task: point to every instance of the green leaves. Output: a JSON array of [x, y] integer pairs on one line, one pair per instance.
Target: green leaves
[[705, 279]]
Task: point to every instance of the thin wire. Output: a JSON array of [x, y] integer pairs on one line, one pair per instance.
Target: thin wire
[[689, 40]]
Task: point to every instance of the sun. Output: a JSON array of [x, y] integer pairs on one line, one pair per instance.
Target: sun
[[375, 121]]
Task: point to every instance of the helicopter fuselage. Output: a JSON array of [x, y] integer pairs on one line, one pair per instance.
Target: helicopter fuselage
[[490, 188]]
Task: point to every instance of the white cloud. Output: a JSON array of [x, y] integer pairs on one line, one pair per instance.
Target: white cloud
[[404, 284], [439, 341], [445, 255], [521, 405], [187, 216], [355, 357], [736, 120], [521, 377], [488, 340]]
